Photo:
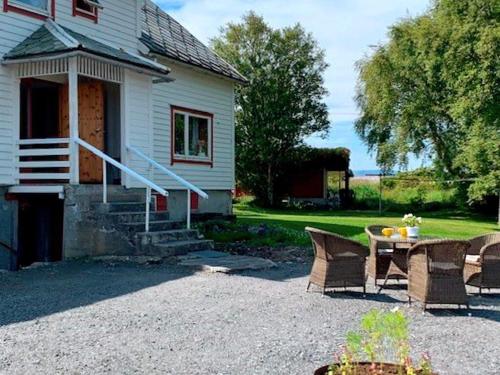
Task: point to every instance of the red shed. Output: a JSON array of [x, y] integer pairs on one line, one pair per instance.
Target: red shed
[[309, 177]]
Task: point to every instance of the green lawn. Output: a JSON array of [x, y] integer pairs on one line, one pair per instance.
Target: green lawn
[[352, 223]]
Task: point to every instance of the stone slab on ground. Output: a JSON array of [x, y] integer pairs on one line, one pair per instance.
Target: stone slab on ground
[[218, 261], [139, 259]]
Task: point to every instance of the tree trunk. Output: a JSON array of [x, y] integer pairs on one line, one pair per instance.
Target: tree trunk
[[499, 208], [270, 185]]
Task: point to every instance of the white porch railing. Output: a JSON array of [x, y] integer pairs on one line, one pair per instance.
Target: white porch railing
[[189, 186], [43, 160], [39, 160], [108, 159]]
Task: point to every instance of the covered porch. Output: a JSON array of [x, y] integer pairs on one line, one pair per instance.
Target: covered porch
[[73, 97]]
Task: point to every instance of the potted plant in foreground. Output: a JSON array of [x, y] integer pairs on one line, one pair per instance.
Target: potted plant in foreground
[[380, 347], [412, 222]]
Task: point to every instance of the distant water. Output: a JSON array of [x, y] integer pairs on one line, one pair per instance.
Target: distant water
[[364, 172]]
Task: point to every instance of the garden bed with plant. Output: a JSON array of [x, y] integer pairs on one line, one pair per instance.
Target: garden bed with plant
[[272, 242]]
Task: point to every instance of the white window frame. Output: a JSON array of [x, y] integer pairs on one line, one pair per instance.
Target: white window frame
[[187, 157], [20, 5], [89, 13]]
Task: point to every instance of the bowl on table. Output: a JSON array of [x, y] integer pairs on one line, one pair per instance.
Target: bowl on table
[[388, 232]]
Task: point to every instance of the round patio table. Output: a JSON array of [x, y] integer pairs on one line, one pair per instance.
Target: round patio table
[[397, 239], [398, 266]]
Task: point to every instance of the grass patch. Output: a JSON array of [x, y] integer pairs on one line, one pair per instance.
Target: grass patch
[[397, 198], [440, 224]]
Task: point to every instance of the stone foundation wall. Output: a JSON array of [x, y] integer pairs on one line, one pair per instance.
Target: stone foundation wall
[[219, 202], [86, 232], [8, 229]]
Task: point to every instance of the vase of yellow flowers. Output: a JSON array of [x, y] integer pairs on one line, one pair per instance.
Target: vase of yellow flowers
[[412, 223]]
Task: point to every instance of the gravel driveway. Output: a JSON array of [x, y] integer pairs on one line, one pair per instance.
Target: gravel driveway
[[92, 318]]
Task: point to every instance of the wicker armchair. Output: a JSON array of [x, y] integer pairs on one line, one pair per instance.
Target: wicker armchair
[[435, 272], [380, 253], [482, 263], [338, 261]]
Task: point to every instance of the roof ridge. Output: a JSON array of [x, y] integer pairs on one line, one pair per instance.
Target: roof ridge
[[61, 34]]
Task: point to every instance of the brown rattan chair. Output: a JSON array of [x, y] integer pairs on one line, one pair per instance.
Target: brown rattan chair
[[338, 261], [482, 263], [435, 272], [380, 253]]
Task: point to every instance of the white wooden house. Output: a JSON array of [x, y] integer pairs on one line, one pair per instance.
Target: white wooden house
[[116, 124]]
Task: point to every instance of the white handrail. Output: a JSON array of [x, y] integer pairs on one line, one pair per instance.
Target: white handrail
[[120, 166], [179, 179], [189, 186]]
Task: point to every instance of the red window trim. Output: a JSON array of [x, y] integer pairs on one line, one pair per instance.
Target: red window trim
[[173, 159], [26, 12], [82, 13]]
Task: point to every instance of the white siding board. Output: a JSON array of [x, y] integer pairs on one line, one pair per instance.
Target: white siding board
[[117, 22], [138, 115], [205, 92]]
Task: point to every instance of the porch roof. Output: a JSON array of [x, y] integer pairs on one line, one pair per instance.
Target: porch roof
[[52, 39]]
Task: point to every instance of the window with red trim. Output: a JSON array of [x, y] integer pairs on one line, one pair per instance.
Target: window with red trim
[[192, 136], [40, 9], [83, 8]]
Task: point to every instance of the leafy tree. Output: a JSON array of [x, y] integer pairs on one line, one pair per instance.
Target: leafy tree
[[282, 102], [433, 90]]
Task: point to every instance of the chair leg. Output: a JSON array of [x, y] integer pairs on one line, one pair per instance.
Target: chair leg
[[480, 291], [384, 284], [323, 291], [409, 301], [364, 288], [425, 307], [308, 286]]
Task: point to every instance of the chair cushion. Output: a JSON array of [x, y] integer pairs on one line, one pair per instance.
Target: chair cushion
[[385, 251], [472, 259], [444, 266], [347, 254]]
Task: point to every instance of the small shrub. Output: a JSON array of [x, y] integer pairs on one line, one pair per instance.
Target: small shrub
[[262, 235], [382, 337]]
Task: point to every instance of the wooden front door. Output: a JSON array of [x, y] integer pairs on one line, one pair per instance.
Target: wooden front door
[[90, 125]]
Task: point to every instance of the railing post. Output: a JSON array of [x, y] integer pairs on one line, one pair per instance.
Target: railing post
[[104, 182], [188, 216], [73, 121], [148, 203]]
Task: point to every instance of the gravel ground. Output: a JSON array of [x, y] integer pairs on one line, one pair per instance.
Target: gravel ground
[[94, 317]]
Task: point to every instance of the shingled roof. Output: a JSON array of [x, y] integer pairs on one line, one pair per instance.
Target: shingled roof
[[165, 36], [52, 39]]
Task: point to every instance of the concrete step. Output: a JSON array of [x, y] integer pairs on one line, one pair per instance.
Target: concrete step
[[170, 235], [156, 225], [121, 207], [171, 248], [131, 217]]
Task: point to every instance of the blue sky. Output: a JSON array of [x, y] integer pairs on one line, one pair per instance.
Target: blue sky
[[344, 29]]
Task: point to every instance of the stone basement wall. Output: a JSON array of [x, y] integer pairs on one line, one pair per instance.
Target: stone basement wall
[[218, 202], [8, 228], [86, 229], [89, 232]]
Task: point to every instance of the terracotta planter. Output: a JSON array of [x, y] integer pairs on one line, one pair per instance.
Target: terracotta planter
[[363, 368]]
